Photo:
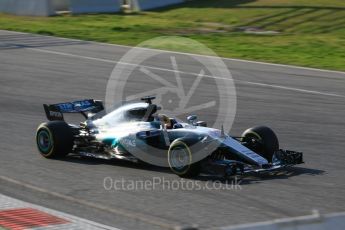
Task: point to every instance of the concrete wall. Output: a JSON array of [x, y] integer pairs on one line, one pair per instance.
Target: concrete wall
[[60, 5], [151, 4], [27, 7], [49, 7], [95, 6]]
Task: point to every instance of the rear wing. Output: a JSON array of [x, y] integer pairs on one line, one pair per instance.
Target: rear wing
[[54, 112]]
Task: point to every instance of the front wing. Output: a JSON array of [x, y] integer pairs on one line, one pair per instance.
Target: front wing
[[281, 159]]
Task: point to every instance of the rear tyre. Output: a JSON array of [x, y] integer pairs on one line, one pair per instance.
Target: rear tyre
[[54, 139], [262, 140], [180, 160]]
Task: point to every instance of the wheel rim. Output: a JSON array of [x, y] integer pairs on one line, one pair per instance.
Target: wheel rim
[[254, 140], [44, 141], [179, 159]]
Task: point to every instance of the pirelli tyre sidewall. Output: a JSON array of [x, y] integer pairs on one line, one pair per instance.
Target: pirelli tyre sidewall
[[180, 159], [54, 139], [267, 138]]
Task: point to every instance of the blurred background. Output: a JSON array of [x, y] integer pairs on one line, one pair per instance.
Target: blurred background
[[299, 32]]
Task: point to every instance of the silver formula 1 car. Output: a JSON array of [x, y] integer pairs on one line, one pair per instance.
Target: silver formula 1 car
[[137, 132]]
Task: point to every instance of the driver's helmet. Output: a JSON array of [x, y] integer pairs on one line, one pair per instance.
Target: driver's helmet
[[166, 120]]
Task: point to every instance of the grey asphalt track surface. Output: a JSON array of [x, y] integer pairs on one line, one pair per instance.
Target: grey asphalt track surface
[[305, 107]]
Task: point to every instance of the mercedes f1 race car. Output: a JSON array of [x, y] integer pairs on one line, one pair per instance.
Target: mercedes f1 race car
[[138, 133]]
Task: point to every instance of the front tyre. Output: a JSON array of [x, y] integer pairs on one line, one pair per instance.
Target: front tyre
[[180, 160], [54, 139], [262, 140]]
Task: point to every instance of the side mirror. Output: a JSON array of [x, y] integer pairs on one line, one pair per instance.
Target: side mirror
[[191, 119], [201, 123]]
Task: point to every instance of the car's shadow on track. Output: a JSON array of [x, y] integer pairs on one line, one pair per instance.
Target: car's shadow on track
[[281, 174], [115, 162], [254, 178], [251, 178]]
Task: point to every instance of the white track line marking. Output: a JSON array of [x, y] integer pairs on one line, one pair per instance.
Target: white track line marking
[[292, 89], [134, 216], [189, 73], [184, 53]]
